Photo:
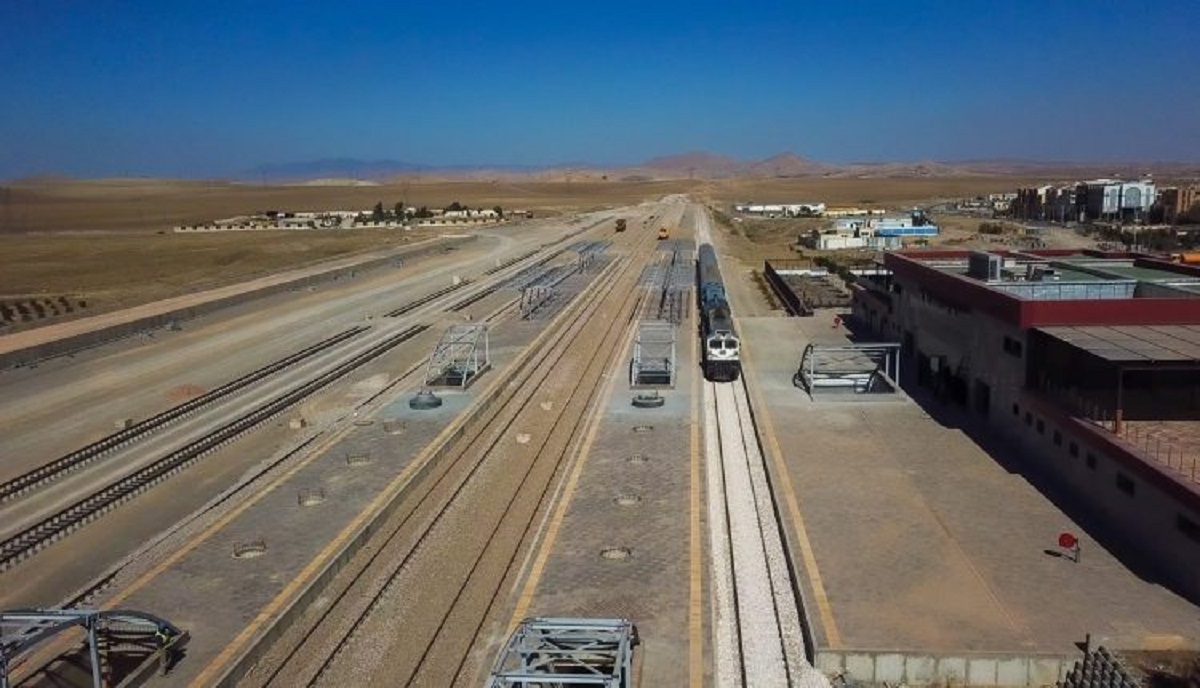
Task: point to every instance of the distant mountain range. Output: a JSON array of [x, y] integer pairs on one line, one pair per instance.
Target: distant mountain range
[[354, 168], [704, 165]]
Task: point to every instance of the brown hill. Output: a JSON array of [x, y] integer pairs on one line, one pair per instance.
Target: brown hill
[[789, 165], [696, 164]]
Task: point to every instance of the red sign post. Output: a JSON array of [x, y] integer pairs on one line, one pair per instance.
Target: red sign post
[[1070, 545]]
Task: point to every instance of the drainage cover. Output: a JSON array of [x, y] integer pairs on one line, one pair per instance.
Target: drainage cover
[[311, 497], [358, 459], [425, 399], [648, 400], [616, 553], [249, 550], [638, 458], [643, 428], [626, 499]]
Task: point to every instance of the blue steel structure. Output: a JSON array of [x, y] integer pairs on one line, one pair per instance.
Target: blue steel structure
[[23, 629], [562, 652]]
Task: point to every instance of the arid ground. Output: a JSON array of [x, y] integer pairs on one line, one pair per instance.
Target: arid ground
[[110, 241]]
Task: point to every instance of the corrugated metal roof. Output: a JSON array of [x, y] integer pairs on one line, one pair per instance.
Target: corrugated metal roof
[[1133, 343]]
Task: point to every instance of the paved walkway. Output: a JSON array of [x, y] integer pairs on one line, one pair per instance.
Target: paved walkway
[[635, 491], [921, 541]]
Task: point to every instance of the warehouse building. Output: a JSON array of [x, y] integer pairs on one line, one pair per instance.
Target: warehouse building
[[1088, 361]]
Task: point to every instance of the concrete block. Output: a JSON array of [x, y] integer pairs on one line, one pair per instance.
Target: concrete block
[[920, 670], [1012, 672], [1047, 670], [829, 663], [860, 666], [889, 668], [981, 672], [951, 670]]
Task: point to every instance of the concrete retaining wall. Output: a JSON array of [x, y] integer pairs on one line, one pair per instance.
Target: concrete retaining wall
[[93, 338], [922, 668]]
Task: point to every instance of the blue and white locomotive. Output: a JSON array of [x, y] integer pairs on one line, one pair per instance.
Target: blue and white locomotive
[[722, 348]]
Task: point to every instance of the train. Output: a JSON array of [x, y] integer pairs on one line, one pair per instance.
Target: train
[[722, 350]]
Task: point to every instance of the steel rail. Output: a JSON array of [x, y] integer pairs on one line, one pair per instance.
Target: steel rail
[[32, 539], [74, 460], [536, 370]]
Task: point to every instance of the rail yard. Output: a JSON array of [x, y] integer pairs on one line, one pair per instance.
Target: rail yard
[[561, 445]]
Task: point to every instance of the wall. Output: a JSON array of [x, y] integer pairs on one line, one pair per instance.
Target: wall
[[1149, 507], [1146, 505], [921, 668]]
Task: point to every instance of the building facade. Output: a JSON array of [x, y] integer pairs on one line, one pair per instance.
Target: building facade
[[1076, 358]]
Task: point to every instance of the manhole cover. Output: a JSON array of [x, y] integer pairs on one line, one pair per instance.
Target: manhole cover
[[638, 458], [311, 497], [249, 550], [650, 400], [616, 553], [425, 400], [358, 459], [641, 429], [627, 499]]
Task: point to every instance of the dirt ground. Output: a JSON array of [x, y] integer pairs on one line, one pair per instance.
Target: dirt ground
[[109, 241], [154, 205], [119, 269]]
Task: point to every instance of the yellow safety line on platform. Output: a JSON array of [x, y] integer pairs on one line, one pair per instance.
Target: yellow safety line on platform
[[695, 551], [210, 671], [560, 511], [832, 634]]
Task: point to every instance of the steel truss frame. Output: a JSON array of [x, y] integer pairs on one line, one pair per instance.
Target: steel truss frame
[[23, 629], [871, 369], [561, 652], [654, 360], [461, 355]]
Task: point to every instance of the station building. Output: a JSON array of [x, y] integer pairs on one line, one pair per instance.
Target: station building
[[1087, 361], [882, 233]]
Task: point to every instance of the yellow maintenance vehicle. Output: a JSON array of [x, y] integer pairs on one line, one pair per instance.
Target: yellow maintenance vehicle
[[664, 233]]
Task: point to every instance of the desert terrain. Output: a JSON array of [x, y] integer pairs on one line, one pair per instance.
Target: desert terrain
[[109, 242]]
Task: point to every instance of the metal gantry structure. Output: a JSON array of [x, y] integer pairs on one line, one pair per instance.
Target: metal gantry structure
[[562, 652], [858, 369], [653, 362], [23, 629], [461, 355]]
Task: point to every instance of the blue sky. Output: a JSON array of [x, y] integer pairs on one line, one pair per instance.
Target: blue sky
[[190, 89]]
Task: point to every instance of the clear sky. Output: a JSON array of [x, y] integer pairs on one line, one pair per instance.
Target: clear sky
[[101, 87]]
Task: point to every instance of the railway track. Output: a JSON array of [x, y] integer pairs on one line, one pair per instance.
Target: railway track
[[77, 459], [19, 546], [25, 543], [434, 539]]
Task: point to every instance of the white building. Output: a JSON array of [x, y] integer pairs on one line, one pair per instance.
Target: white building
[[782, 209]]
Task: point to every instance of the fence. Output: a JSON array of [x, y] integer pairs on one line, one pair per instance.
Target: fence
[[791, 302], [1173, 444]]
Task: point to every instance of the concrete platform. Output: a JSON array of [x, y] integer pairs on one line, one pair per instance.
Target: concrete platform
[[635, 490], [919, 554]]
